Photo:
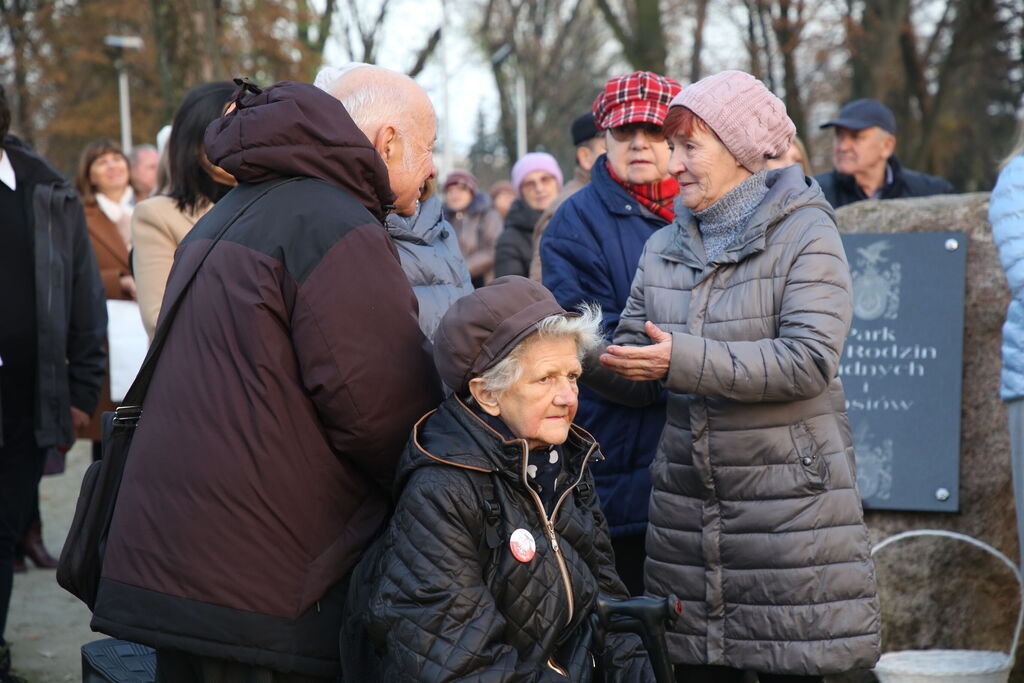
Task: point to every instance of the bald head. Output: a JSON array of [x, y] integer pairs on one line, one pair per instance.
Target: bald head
[[394, 112], [375, 96]]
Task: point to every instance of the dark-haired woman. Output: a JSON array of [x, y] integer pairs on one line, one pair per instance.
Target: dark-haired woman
[[161, 222]]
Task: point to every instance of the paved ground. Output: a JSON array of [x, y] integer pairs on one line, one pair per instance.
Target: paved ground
[[47, 625]]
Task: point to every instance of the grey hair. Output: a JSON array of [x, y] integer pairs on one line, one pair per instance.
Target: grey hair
[[138, 149], [584, 329], [374, 103]]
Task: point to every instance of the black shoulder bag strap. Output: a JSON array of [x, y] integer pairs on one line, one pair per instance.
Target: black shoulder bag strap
[[130, 409]]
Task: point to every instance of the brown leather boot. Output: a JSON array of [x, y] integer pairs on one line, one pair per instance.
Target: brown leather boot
[[31, 544]]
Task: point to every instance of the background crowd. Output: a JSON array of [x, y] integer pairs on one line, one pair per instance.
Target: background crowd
[[685, 292]]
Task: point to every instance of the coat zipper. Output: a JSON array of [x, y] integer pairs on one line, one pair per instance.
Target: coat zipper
[[549, 522]]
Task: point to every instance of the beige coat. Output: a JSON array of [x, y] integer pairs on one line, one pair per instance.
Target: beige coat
[[157, 229], [755, 517]]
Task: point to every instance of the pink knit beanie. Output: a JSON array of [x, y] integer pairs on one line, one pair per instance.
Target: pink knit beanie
[[749, 120], [535, 161]]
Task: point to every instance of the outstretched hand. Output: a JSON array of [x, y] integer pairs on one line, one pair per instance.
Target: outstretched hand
[[640, 363]]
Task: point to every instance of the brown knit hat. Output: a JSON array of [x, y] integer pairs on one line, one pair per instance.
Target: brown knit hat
[[482, 328], [749, 120]]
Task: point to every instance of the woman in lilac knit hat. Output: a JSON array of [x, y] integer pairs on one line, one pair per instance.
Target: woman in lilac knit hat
[[537, 180], [740, 309]]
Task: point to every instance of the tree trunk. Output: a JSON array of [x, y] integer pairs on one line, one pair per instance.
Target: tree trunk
[[641, 35], [874, 45], [15, 18], [161, 11], [787, 35], [698, 41]]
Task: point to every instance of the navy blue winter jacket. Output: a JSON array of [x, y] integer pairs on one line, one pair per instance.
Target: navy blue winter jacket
[[589, 253]]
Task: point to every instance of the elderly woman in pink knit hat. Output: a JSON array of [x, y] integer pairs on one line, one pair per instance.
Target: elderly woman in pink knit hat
[[739, 309], [537, 180]]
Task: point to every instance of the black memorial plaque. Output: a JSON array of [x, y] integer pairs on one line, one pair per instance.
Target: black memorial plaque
[[901, 367]]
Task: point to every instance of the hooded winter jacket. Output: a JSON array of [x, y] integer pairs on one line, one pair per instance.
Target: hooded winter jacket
[[589, 252], [262, 464], [1006, 214], [755, 518], [431, 260], [444, 598]]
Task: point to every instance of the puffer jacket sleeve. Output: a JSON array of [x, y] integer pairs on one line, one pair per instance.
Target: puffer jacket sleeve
[[575, 269], [630, 331], [1006, 214], [814, 318], [431, 604], [87, 321], [364, 360]]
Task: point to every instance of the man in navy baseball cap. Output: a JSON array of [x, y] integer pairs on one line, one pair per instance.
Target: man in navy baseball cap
[[865, 166], [865, 113]]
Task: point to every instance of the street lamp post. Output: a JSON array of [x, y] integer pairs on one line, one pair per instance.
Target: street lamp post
[[447, 156], [499, 56], [116, 46]]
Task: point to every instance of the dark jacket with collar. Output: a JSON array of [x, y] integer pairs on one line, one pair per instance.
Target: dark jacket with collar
[[515, 245], [442, 596], [263, 462], [841, 189], [590, 252], [71, 314]]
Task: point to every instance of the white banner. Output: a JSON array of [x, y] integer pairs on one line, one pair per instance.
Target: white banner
[[127, 344]]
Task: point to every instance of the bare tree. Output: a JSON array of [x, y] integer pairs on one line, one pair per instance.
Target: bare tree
[[557, 46], [696, 66], [363, 29], [637, 26]]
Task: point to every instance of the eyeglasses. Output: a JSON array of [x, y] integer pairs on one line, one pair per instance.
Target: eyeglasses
[[627, 132]]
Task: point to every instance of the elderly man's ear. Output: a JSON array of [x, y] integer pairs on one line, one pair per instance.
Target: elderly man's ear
[[484, 397], [387, 143]]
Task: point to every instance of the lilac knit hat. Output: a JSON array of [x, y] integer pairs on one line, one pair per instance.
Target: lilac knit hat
[[535, 161], [749, 120]]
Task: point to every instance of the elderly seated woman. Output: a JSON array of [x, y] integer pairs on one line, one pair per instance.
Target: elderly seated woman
[[492, 563]]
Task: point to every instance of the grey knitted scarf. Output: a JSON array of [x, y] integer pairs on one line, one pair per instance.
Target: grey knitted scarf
[[726, 219]]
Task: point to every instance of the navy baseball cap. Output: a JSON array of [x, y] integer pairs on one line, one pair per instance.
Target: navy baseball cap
[[861, 114], [584, 129]]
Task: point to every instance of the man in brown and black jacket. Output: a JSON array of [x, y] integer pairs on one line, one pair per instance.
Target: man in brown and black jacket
[[290, 380]]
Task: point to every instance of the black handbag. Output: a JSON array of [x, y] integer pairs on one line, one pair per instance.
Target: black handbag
[[81, 559]]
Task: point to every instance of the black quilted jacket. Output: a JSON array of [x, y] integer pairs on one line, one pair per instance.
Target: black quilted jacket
[[440, 596]]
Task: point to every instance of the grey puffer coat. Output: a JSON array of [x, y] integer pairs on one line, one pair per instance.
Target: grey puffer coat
[[755, 517], [432, 261]]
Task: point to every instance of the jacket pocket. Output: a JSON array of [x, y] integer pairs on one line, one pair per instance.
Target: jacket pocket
[[809, 456]]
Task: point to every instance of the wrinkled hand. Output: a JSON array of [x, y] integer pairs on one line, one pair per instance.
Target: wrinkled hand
[[79, 420], [640, 363]]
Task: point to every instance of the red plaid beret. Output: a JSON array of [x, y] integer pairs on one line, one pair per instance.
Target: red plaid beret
[[641, 96]]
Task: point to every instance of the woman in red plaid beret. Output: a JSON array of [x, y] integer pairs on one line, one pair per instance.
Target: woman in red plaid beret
[[590, 253]]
